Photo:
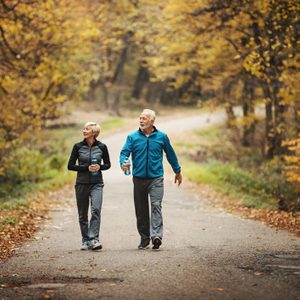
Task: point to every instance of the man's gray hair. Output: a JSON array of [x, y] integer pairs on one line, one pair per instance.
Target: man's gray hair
[[149, 112]]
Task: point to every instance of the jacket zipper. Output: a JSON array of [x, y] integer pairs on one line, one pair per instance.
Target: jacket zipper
[[147, 154], [90, 163]]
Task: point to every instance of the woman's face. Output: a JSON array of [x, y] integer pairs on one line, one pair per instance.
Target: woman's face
[[87, 132]]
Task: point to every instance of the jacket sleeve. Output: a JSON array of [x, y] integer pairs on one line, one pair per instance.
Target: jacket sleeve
[[126, 150], [106, 161], [171, 155], [72, 161]]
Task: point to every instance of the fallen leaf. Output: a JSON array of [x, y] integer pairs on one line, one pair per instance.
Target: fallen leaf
[[257, 273]]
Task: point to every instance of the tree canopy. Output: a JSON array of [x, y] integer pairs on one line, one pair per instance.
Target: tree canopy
[[237, 52]]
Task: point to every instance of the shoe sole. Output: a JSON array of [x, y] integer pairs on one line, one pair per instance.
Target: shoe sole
[[97, 248], [156, 244], [143, 248]]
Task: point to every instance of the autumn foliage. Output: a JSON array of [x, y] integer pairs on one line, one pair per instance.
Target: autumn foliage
[[236, 53], [41, 67], [241, 52]]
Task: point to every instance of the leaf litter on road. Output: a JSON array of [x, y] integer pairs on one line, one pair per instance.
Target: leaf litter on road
[[28, 220], [274, 218]]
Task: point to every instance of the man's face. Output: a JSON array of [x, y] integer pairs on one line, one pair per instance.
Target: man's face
[[145, 121]]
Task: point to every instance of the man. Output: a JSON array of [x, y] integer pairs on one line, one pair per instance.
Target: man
[[146, 147]]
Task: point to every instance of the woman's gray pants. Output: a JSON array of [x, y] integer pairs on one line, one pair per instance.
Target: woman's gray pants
[[85, 193], [142, 188]]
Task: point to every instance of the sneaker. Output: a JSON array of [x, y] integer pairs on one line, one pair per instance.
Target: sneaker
[[95, 245], [144, 244], [156, 241], [85, 246]]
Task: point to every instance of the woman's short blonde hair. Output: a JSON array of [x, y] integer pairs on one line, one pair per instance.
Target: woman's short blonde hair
[[94, 126]]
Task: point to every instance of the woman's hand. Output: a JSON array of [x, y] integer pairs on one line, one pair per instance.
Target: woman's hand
[[94, 168]]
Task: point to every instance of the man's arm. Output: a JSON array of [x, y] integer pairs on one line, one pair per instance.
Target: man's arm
[[171, 155], [106, 161], [126, 150], [172, 159]]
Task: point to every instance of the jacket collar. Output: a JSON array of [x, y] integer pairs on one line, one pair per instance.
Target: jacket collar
[[85, 142], [154, 130]]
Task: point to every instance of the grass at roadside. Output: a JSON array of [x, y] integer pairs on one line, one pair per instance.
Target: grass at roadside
[[232, 181], [39, 182], [213, 156], [45, 166]]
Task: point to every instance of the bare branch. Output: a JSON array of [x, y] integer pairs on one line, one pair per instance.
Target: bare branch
[[51, 85], [6, 42], [211, 9], [233, 44]]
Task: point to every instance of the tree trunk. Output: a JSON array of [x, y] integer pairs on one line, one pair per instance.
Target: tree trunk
[[248, 112], [297, 117], [269, 124], [225, 96], [230, 114], [275, 120], [279, 111], [141, 79], [117, 82], [98, 92]]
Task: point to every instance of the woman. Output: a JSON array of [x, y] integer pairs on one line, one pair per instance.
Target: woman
[[92, 157]]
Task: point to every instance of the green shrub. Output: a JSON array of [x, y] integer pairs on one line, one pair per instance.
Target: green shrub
[[57, 161], [214, 156], [26, 165], [7, 205], [262, 187], [11, 220]]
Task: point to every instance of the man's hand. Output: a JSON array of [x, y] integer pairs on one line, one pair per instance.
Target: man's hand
[[178, 178], [124, 168]]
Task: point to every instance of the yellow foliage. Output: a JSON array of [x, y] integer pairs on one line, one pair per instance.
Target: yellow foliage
[[46, 45], [54, 49], [293, 160]]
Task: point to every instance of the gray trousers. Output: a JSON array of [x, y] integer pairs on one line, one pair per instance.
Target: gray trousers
[[143, 188], [84, 194]]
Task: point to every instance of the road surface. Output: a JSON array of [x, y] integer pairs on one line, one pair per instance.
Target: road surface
[[206, 252]]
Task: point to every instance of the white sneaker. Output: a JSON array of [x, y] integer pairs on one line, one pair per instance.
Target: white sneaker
[[85, 246], [95, 245]]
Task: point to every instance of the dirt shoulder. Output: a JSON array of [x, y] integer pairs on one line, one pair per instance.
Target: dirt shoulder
[[27, 220], [277, 219]]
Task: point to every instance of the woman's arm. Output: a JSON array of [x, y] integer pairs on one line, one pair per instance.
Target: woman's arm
[[72, 161], [106, 161]]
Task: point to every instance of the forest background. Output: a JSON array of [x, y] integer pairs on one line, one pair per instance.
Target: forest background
[[117, 57]]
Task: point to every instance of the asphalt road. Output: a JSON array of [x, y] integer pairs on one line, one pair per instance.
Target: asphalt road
[[206, 252]]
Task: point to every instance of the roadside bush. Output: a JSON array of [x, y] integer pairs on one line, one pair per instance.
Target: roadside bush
[[57, 161], [243, 181], [273, 176], [266, 185], [224, 162], [26, 165]]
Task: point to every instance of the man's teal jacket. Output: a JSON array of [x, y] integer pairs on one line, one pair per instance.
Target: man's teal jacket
[[147, 154]]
